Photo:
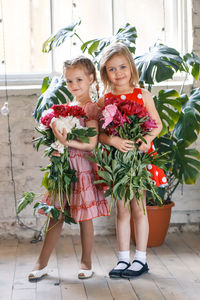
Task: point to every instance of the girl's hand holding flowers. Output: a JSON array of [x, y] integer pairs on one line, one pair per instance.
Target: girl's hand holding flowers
[[122, 144], [61, 136], [144, 146], [60, 126], [123, 167]]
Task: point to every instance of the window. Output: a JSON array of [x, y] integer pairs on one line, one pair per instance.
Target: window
[[27, 24]]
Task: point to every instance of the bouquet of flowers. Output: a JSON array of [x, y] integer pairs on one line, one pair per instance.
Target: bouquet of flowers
[[59, 176], [126, 174]]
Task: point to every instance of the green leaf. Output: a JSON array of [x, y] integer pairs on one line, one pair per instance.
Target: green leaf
[[27, 199], [126, 35], [48, 209], [45, 181], [186, 163], [193, 61], [159, 64], [45, 84], [105, 175], [59, 38], [107, 193], [188, 126], [52, 96], [168, 104]]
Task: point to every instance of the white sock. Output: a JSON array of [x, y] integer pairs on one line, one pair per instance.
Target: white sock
[[125, 256], [141, 256]]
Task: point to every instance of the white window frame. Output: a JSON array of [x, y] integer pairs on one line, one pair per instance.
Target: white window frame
[[180, 20]]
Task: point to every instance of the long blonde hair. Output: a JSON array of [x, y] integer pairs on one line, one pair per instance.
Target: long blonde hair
[[108, 53]]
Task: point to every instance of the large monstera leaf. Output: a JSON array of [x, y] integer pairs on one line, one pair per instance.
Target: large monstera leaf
[[56, 93], [127, 35], [183, 162], [186, 163], [188, 126], [193, 61], [159, 64], [168, 104], [58, 38]]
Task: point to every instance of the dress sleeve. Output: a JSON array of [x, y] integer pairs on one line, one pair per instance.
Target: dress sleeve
[[93, 111]]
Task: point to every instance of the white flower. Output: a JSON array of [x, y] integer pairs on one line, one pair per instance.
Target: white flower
[[67, 123], [47, 111], [42, 127], [58, 146]]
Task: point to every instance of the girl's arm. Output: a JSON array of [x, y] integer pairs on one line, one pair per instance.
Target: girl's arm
[[150, 106], [76, 144]]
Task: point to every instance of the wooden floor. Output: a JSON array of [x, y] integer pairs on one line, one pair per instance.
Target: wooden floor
[[174, 271]]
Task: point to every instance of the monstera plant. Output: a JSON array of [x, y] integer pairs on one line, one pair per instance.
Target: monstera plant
[[179, 112]]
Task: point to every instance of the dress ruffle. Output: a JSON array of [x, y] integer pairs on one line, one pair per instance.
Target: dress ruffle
[[87, 200]]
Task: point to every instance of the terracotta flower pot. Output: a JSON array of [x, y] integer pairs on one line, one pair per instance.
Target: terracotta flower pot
[[159, 219]]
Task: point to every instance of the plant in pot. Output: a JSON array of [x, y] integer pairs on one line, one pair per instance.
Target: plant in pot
[[179, 112]]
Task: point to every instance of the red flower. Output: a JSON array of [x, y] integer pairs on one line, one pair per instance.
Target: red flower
[[46, 118], [149, 124], [119, 119], [60, 110], [76, 111], [65, 110], [132, 108], [112, 100]]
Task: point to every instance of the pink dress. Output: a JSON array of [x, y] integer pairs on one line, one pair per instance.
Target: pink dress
[[158, 175], [87, 199]]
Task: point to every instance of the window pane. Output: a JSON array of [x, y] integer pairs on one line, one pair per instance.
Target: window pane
[[96, 21], [147, 16], [26, 26]]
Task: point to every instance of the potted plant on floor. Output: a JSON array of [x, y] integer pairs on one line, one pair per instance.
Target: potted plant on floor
[[180, 114], [178, 111]]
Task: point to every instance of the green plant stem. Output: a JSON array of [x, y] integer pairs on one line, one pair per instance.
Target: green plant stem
[[131, 175], [183, 84], [83, 43], [150, 87], [170, 193], [111, 202], [46, 224]]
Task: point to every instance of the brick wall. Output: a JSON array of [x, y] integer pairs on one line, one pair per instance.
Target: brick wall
[[27, 163]]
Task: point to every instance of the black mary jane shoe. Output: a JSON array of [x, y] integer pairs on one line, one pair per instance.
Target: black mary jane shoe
[[132, 274], [114, 273]]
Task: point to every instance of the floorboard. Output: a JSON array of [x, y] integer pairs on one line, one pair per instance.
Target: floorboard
[[174, 271]]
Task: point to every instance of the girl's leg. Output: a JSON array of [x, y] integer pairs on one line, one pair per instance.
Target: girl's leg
[[141, 224], [141, 227], [123, 239], [51, 238], [123, 226], [87, 237]]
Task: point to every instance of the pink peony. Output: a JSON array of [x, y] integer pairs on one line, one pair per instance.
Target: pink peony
[[108, 114]]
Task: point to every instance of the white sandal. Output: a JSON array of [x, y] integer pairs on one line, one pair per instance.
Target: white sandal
[[83, 274], [37, 274]]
